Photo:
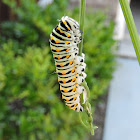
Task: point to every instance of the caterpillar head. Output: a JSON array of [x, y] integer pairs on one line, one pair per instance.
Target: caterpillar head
[[73, 23]]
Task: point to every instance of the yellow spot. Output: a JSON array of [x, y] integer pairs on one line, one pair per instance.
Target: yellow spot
[[57, 71], [73, 108], [69, 106], [51, 38], [67, 50], [57, 50], [58, 28], [61, 65], [74, 89], [51, 48], [64, 81], [68, 28], [74, 98], [75, 105], [59, 57], [65, 22], [61, 31], [68, 35], [71, 62], [57, 41], [58, 80], [73, 70], [67, 42], [65, 91], [67, 56], [67, 99], [73, 79], [63, 73]]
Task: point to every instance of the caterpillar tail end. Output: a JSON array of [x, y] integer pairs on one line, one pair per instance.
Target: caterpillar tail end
[[84, 96]]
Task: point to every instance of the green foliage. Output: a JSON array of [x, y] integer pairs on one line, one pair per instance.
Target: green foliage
[[30, 103], [30, 100]]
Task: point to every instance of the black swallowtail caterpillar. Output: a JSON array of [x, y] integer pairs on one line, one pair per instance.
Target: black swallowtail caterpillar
[[70, 67]]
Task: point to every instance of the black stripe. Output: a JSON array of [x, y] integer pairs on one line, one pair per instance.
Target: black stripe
[[67, 96], [52, 41], [68, 24], [66, 82], [71, 90], [60, 61], [74, 105], [58, 31], [55, 44], [69, 103], [67, 76], [58, 37], [67, 86], [64, 68], [63, 61], [62, 57], [59, 73], [64, 50], [63, 25], [64, 65], [69, 100]]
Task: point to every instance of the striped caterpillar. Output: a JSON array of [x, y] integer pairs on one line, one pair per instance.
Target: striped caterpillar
[[70, 67]]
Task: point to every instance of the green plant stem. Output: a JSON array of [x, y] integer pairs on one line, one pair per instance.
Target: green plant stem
[[131, 26], [82, 21], [87, 105]]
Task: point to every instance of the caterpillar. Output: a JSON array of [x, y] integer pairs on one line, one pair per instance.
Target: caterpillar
[[70, 67]]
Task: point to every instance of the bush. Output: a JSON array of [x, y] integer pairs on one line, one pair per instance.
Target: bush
[[30, 101]]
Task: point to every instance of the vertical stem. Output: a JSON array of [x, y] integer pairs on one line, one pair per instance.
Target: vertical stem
[[131, 26], [82, 20], [87, 105]]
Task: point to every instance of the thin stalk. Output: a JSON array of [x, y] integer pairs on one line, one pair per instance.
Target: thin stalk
[[131, 26], [82, 21], [87, 105]]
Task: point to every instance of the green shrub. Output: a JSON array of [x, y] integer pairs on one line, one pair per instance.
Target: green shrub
[[30, 103]]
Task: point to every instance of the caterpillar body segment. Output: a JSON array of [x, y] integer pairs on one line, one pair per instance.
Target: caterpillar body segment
[[73, 79], [70, 67]]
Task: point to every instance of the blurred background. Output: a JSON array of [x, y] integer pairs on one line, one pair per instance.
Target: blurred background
[[30, 101]]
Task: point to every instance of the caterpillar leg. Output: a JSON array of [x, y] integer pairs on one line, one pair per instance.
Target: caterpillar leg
[[81, 89], [79, 108], [81, 78], [80, 59], [81, 68], [77, 40], [84, 95]]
